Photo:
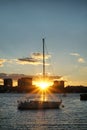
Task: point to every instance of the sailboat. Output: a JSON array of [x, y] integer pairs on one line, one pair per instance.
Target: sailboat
[[39, 104]]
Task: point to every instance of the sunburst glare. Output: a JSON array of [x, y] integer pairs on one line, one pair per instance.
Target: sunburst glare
[[43, 83]]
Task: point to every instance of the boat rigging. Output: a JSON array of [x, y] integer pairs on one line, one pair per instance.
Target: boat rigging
[[43, 84]]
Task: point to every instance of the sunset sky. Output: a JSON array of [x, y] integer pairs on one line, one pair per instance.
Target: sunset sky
[[63, 24]]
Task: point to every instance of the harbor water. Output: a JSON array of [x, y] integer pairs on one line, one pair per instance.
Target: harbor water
[[72, 114]]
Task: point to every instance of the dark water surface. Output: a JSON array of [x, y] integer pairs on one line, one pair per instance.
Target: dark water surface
[[73, 116]]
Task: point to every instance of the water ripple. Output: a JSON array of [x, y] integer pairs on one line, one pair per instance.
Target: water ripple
[[72, 117]]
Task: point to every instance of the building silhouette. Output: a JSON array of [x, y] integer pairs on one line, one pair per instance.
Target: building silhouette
[[8, 84], [25, 84], [58, 86]]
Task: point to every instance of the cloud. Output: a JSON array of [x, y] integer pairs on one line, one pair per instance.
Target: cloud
[[10, 60], [75, 54], [6, 60], [39, 56], [28, 60], [2, 61], [81, 60], [34, 59], [13, 76]]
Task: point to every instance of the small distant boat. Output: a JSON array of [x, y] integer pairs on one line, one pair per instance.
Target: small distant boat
[[39, 104], [83, 96]]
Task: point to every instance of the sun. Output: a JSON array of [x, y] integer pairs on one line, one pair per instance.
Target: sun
[[43, 84]]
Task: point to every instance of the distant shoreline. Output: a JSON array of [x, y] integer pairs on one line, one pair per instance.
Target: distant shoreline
[[52, 89]]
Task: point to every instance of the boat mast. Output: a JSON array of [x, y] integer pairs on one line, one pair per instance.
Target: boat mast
[[43, 40], [43, 58]]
